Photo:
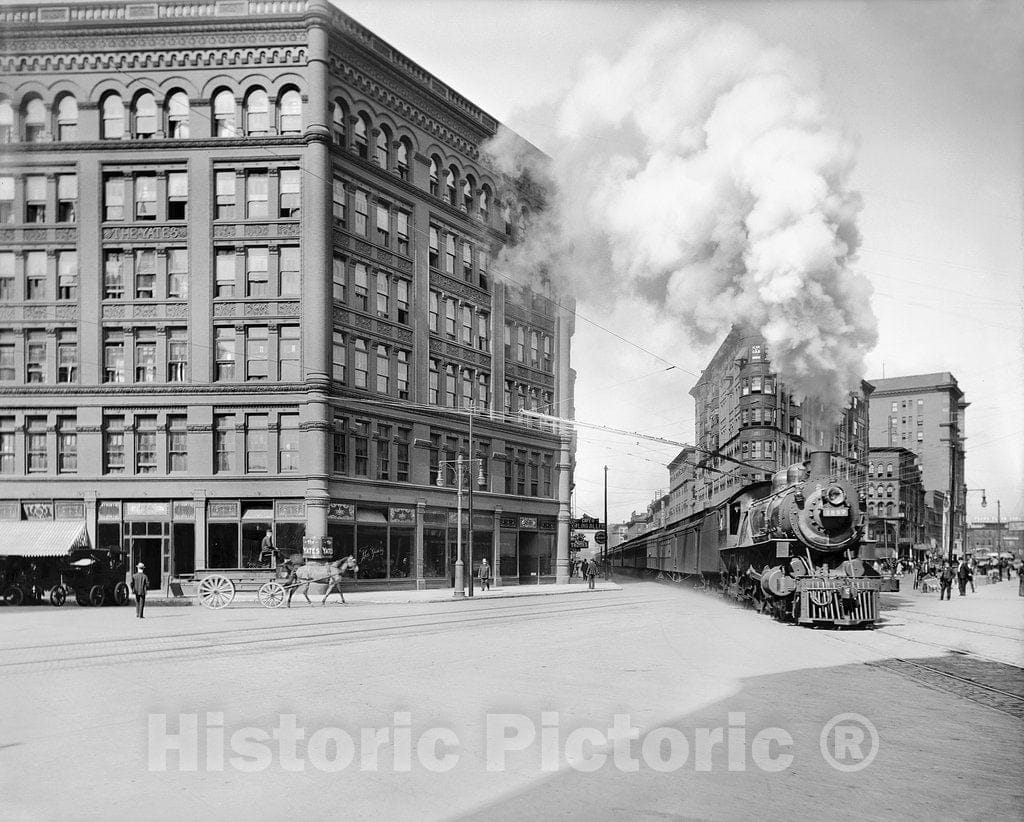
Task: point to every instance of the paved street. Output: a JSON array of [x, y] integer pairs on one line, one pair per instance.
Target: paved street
[[503, 709]]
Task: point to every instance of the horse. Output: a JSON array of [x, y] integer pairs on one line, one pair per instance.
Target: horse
[[302, 575]]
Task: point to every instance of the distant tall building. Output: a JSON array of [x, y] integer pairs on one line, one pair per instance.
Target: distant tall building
[[896, 502], [743, 411], [924, 413], [247, 284]]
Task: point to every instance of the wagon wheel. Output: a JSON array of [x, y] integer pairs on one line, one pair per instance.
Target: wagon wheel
[[216, 592], [97, 595], [58, 596], [81, 597], [271, 595], [14, 595], [121, 593]]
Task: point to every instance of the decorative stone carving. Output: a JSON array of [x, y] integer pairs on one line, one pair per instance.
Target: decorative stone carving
[[225, 309], [256, 310]]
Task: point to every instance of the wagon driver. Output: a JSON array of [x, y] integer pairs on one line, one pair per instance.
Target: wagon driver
[[267, 550]]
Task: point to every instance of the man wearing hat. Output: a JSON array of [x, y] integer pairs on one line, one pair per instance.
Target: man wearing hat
[[140, 582]]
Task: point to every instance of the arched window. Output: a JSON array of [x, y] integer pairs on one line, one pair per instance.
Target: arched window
[[224, 114], [449, 185], [257, 113], [67, 119], [177, 115], [145, 116], [435, 170], [402, 158], [35, 120], [290, 115], [338, 129], [383, 148], [6, 121], [871, 469], [467, 193], [113, 118], [361, 136], [485, 203], [888, 470]]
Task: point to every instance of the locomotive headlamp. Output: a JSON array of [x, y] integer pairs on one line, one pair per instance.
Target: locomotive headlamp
[[836, 495]]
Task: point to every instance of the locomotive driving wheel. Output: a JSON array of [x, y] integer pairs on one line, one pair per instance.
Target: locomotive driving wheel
[[271, 595], [216, 592]]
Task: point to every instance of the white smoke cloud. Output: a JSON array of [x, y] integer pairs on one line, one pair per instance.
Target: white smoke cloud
[[700, 170]]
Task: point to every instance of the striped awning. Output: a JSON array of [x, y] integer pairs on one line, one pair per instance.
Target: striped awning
[[41, 539]]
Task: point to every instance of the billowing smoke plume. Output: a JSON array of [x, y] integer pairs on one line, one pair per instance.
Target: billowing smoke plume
[[700, 170]]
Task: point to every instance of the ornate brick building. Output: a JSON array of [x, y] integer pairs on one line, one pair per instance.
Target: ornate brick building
[[247, 282]]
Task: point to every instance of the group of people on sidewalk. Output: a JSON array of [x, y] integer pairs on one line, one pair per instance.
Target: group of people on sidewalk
[[963, 575]]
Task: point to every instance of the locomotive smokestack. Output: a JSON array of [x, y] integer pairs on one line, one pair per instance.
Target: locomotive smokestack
[[820, 464]]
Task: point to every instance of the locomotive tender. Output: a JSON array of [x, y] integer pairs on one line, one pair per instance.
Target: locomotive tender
[[793, 547]]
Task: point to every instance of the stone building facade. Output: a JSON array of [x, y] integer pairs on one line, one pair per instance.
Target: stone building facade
[[248, 282]]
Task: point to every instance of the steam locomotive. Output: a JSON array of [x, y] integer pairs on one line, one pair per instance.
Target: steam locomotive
[[793, 547]]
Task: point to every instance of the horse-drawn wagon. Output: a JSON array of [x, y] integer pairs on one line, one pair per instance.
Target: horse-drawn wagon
[[274, 587]]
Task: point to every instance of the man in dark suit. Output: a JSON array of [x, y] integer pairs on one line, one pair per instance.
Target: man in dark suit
[[140, 582]]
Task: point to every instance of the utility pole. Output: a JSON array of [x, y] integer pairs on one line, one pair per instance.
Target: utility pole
[[604, 546]]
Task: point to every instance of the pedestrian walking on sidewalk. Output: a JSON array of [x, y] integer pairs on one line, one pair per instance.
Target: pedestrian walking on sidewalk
[[485, 575], [1020, 581], [140, 584], [591, 573], [946, 582], [963, 571]]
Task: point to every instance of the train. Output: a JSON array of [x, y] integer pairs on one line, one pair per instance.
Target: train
[[794, 547]]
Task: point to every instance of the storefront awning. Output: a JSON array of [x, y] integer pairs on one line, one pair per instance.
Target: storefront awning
[[41, 539]]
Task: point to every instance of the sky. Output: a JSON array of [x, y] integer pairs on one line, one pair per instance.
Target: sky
[[931, 98]]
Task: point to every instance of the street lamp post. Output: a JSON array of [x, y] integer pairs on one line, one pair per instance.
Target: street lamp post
[[458, 465]]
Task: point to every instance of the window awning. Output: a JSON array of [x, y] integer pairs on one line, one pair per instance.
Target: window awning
[[363, 515], [259, 515], [41, 539]]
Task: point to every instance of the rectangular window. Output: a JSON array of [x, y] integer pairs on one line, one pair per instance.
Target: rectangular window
[[339, 356], [449, 318], [383, 295], [177, 195], [433, 248], [483, 391], [383, 444], [361, 287], [113, 197], [6, 276], [7, 200], [340, 439], [360, 447], [484, 264], [256, 439], [177, 274], [225, 353], [113, 445], [288, 443], [35, 275], [361, 364], [145, 196], [483, 325], [450, 387], [67, 446], [290, 196], [289, 269], [402, 300], [67, 198], [145, 445], [362, 213], [338, 277], [547, 352], [7, 452], [467, 262], [383, 225], [257, 350], [67, 356], [177, 444], [177, 355], [288, 353], [467, 325], [521, 344], [35, 198], [35, 357], [225, 194], [225, 272], [433, 393], [402, 375], [113, 357], [145, 356], [402, 231], [256, 193], [224, 443], [145, 273], [113, 276], [383, 370], [67, 275], [467, 388], [402, 455], [435, 300], [338, 193], [35, 444], [256, 274], [449, 254]]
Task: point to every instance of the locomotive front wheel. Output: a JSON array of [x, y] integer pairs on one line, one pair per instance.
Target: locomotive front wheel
[[121, 593], [271, 595], [58, 596], [216, 592], [97, 595]]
